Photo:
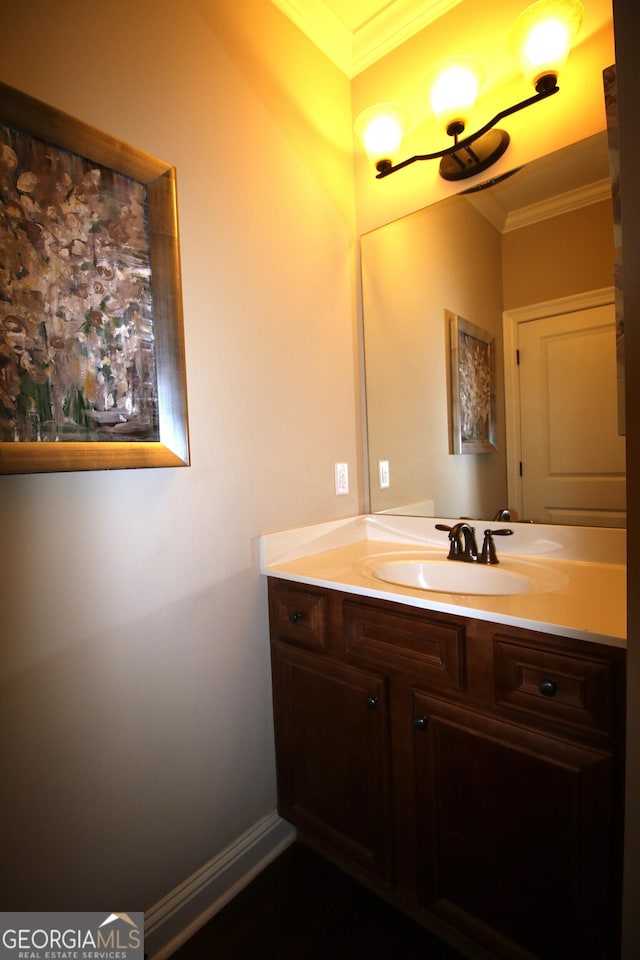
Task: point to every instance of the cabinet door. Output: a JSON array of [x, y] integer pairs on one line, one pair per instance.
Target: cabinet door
[[333, 757], [515, 835]]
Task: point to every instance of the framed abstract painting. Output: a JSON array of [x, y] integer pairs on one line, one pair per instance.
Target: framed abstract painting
[[472, 378], [92, 365]]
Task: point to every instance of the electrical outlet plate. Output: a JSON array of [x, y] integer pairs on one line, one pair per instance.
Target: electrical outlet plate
[[342, 479]]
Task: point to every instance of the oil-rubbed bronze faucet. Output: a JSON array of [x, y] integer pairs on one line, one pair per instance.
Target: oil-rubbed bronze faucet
[[463, 546], [462, 542]]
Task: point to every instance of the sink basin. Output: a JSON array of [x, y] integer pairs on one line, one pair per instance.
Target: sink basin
[[508, 578]]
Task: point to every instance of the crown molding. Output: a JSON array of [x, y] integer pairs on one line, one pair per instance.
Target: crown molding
[[352, 51], [506, 221], [392, 26], [556, 206], [330, 34]]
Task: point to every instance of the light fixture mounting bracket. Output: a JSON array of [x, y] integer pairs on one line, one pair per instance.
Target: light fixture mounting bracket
[[474, 153], [462, 162]]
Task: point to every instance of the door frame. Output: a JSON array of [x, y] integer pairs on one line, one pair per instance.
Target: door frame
[[510, 322]]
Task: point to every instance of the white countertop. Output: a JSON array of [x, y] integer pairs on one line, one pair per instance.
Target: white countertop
[[589, 603]]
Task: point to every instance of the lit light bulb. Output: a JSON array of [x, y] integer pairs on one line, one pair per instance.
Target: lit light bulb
[[381, 129], [542, 35], [547, 42], [454, 92]]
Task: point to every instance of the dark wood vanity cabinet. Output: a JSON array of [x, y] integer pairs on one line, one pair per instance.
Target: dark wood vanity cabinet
[[515, 834], [334, 756], [470, 772]]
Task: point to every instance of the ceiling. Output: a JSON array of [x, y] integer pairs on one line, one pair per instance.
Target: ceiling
[[356, 33]]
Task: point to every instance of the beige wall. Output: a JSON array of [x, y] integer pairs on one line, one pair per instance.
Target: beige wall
[[558, 257], [135, 702]]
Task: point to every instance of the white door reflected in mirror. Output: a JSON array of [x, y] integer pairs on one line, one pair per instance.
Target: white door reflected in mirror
[[573, 459]]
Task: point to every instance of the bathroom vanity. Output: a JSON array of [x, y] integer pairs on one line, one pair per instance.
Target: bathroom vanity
[[462, 754]]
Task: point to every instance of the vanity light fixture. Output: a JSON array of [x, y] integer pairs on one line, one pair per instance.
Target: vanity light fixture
[[540, 38]]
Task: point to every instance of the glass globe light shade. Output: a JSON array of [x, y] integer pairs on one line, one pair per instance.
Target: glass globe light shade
[[542, 36], [454, 90], [381, 129]]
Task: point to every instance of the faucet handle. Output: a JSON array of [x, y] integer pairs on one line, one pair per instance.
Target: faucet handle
[[454, 540], [488, 553]]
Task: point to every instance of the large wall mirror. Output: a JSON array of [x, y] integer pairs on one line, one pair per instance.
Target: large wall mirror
[[529, 261]]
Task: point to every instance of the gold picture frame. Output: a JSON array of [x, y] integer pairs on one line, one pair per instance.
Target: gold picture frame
[[27, 347], [472, 378]]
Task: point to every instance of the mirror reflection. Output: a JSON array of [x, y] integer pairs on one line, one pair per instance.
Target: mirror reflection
[[529, 261]]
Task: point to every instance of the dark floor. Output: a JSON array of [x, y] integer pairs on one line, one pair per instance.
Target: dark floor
[[303, 908]]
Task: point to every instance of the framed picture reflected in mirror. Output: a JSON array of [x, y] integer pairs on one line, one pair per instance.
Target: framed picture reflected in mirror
[[472, 392]]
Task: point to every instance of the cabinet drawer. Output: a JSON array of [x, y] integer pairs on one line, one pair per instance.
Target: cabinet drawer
[[429, 649], [298, 615], [575, 690]]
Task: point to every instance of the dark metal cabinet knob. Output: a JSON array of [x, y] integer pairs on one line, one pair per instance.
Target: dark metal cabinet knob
[[372, 702], [295, 617], [548, 688], [420, 723]]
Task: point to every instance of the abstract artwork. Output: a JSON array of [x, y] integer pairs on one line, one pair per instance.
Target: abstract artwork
[[91, 341], [472, 370], [76, 313]]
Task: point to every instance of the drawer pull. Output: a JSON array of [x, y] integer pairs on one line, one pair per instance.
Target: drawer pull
[[420, 723], [372, 702], [295, 617], [548, 688]]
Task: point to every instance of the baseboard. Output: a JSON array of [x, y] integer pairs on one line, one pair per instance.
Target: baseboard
[[175, 918]]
